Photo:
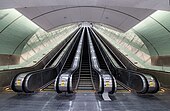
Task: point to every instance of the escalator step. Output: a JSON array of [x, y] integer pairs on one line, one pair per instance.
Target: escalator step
[[85, 75], [82, 83], [85, 85], [85, 88]]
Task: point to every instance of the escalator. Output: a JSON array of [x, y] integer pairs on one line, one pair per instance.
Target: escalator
[[85, 82], [103, 65], [85, 64], [43, 79], [67, 64], [140, 82]]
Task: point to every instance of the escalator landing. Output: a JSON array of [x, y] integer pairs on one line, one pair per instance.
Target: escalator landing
[[89, 101]]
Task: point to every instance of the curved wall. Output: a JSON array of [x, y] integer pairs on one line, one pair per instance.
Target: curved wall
[[15, 31], [154, 31]]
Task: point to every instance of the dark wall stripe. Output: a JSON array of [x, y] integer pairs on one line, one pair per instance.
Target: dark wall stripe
[[10, 23], [160, 24]]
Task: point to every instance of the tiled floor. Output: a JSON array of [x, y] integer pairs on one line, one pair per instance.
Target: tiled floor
[[50, 101]]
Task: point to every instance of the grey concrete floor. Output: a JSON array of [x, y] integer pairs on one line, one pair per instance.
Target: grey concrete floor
[[51, 101]]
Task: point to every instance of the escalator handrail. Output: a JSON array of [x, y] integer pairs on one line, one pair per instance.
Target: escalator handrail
[[95, 63], [109, 48], [12, 84], [47, 65], [77, 55], [101, 51], [60, 49], [56, 84], [141, 75], [42, 70], [75, 63], [9, 70], [78, 81], [145, 86]]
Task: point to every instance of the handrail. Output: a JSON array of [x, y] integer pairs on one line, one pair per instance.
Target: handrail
[[144, 87], [150, 84], [11, 73], [37, 63], [63, 82], [112, 71], [39, 73], [106, 83], [111, 52], [56, 55], [78, 81], [57, 68]]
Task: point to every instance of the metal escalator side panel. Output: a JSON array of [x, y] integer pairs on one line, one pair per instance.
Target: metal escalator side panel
[[70, 84], [153, 84], [63, 82], [134, 80], [30, 81], [56, 84], [37, 79], [17, 82], [34, 81], [107, 81], [114, 87], [106, 59], [145, 85], [76, 62], [100, 86]]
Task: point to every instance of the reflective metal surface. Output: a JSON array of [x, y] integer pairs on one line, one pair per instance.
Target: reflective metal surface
[[133, 79], [153, 84], [18, 82], [64, 80]]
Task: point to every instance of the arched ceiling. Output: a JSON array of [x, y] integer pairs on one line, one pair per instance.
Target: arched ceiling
[[145, 4], [120, 14], [122, 18]]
